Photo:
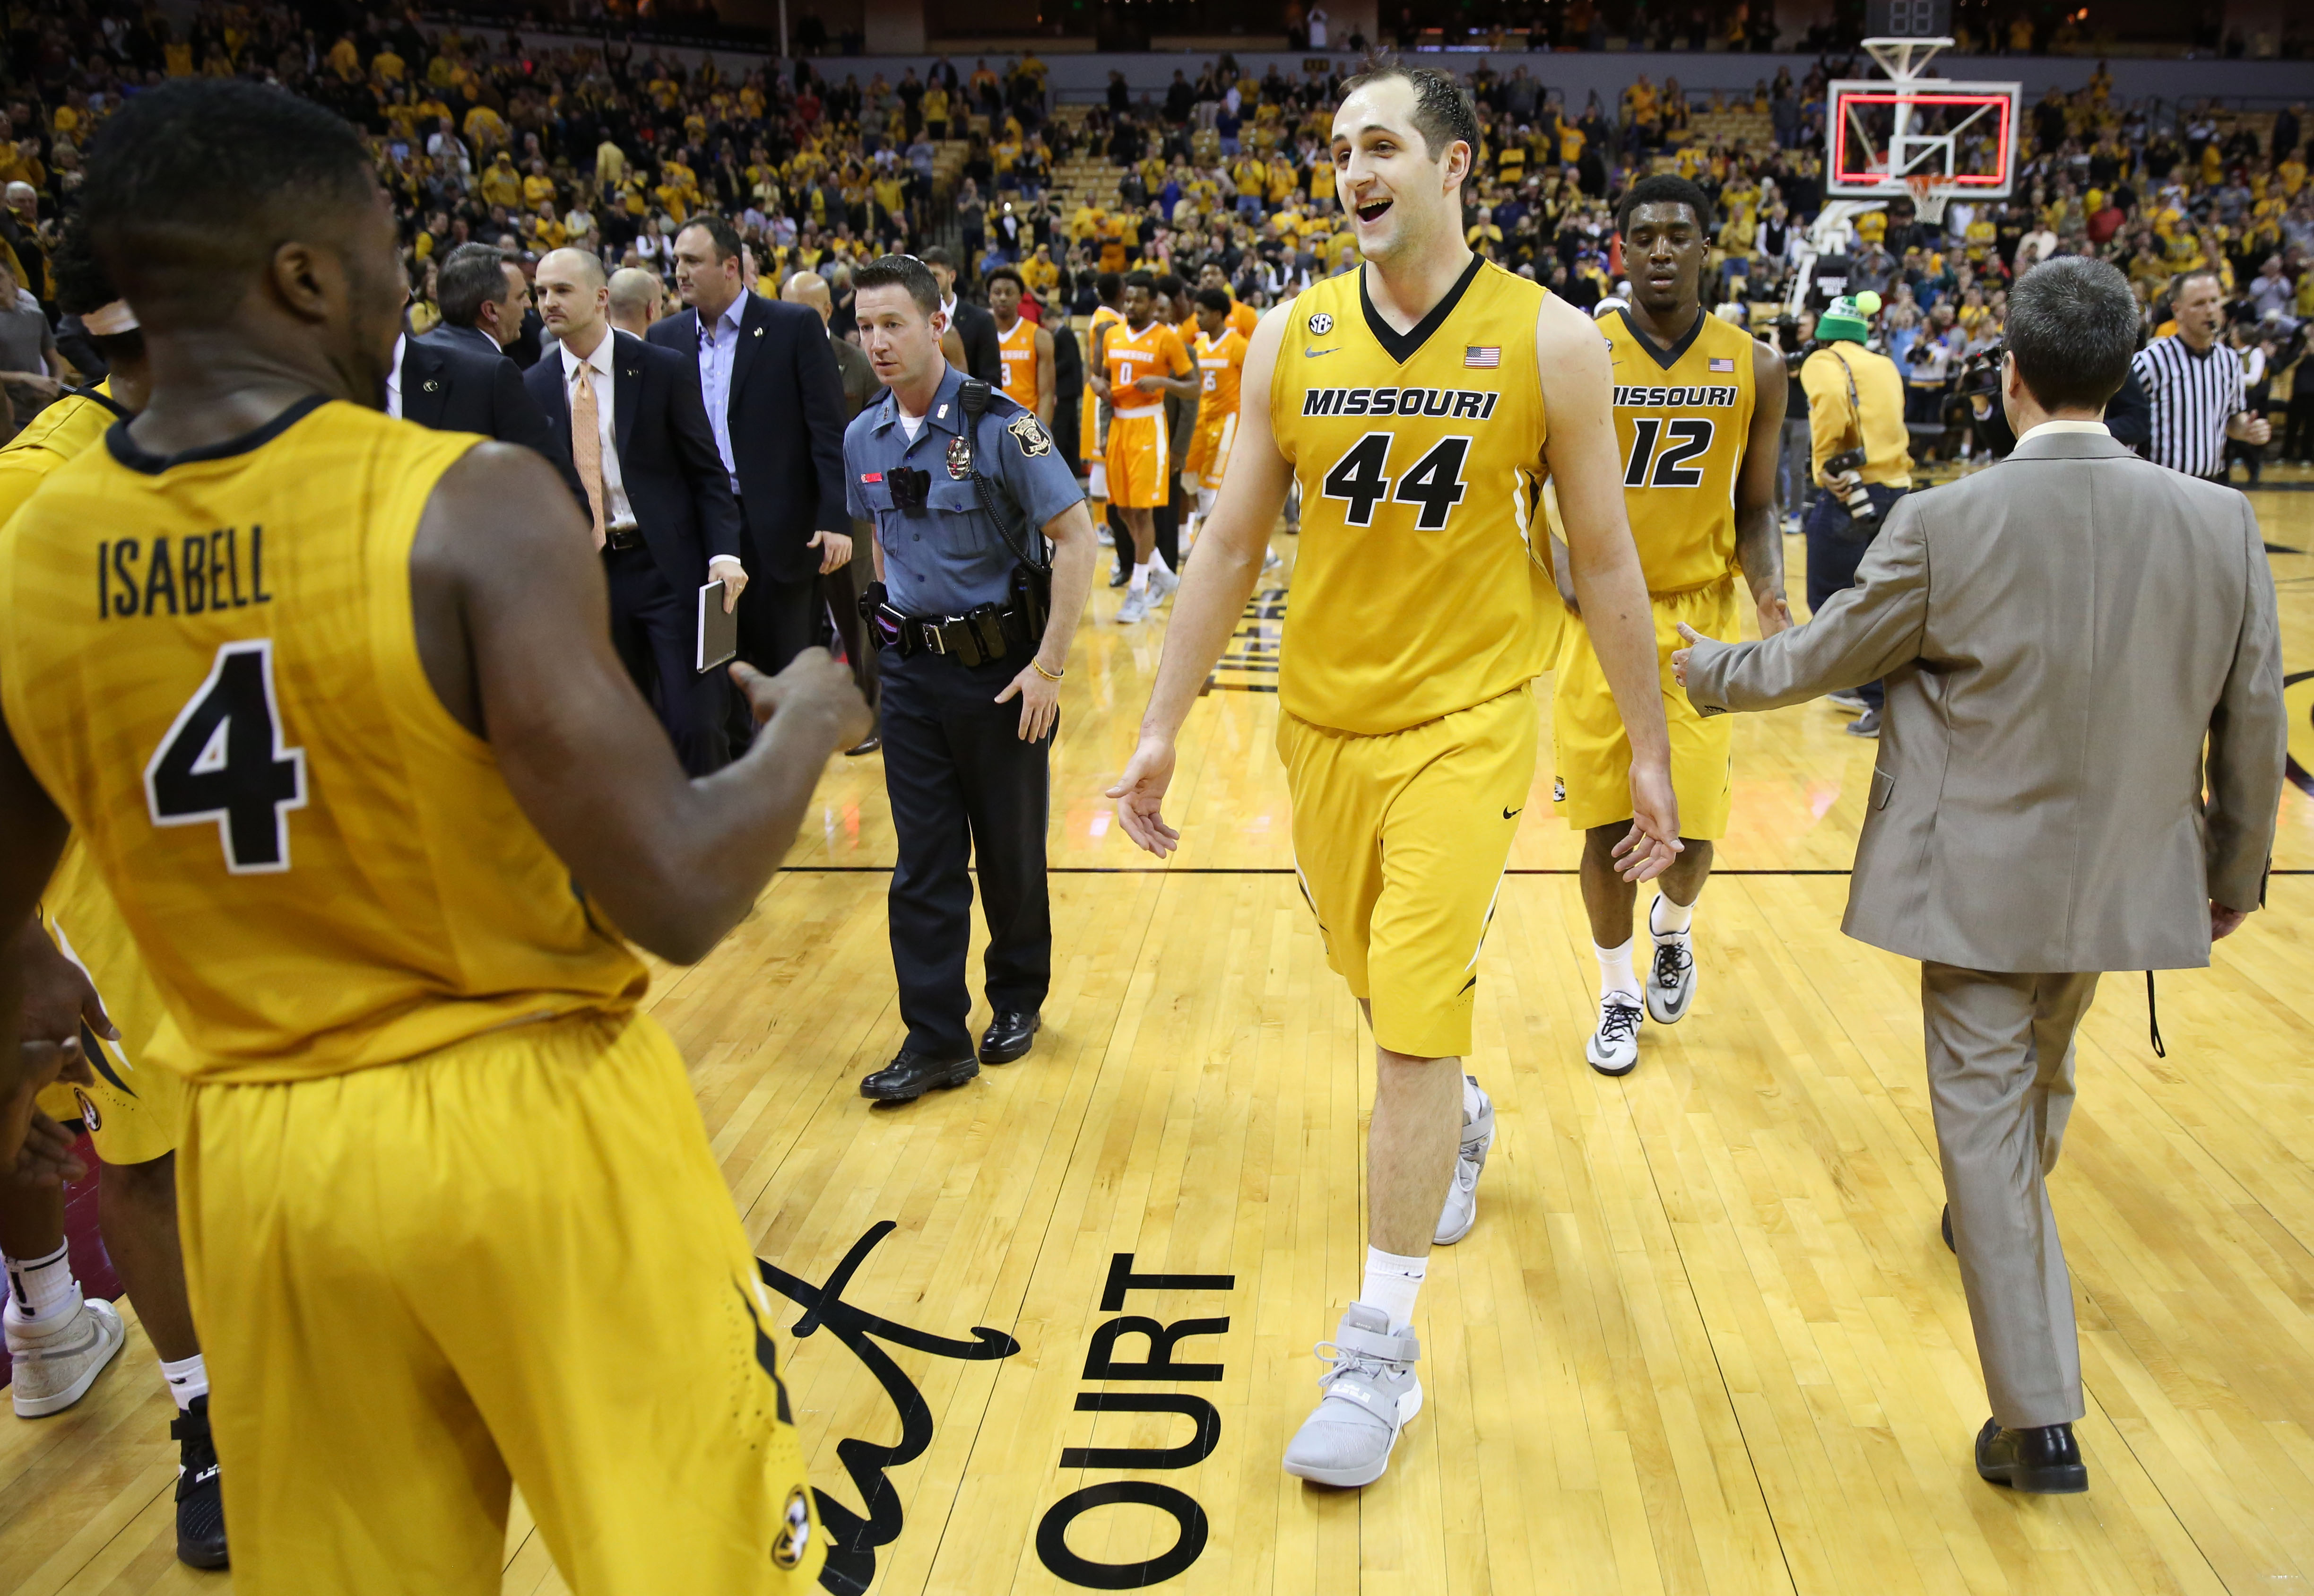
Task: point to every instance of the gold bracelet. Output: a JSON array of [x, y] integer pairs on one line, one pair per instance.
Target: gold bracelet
[[1048, 675]]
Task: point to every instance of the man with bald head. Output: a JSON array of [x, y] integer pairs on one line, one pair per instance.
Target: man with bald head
[[842, 587], [659, 501], [636, 299]]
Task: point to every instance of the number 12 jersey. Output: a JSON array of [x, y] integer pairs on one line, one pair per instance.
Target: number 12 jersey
[[1422, 586]]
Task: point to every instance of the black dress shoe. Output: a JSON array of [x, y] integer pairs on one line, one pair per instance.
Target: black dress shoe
[[201, 1499], [2044, 1460], [1009, 1035], [1945, 1225], [910, 1075], [868, 744], [1124, 572]]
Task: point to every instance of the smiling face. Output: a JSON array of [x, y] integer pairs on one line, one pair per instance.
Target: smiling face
[[1401, 199]]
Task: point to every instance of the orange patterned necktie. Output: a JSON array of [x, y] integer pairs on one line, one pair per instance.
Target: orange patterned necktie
[[587, 446]]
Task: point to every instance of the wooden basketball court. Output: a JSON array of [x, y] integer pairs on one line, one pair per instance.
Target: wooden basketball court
[[1704, 1337]]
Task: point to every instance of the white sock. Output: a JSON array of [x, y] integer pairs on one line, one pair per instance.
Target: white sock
[[188, 1378], [1140, 583], [1667, 919], [1157, 563], [1205, 502], [1615, 973], [41, 1290], [1473, 1099], [1391, 1283]]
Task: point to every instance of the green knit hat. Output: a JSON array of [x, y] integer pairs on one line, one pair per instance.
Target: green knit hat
[[1850, 317]]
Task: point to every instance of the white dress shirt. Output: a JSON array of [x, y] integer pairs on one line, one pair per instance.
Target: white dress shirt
[[2066, 426], [718, 349], [394, 378], [617, 513]]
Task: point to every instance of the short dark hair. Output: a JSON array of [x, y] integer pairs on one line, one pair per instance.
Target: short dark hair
[[2072, 329], [937, 256], [1665, 187], [1106, 286], [1170, 284], [900, 272], [192, 185], [724, 236], [1212, 299], [1443, 110], [1005, 274], [1140, 279], [471, 275]]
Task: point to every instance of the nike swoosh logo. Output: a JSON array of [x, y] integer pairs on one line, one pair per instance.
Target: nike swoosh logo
[[1313, 354], [1512, 814]]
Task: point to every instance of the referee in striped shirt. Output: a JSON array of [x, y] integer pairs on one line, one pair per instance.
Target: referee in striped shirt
[[2194, 381]]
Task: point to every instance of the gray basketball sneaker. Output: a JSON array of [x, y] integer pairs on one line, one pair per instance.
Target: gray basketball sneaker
[[1370, 1395], [1461, 1210], [1670, 980]]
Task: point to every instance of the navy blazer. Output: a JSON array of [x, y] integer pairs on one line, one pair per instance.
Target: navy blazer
[[451, 387], [667, 461], [787, 416]]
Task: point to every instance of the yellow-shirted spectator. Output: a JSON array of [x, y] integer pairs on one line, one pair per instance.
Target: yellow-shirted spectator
[[537, 187], [1085, 222], [1040, 274], [485, 129], [2292, 174], [177, 58], [1283, 180], [935, 110], [1250, 175], [1570, 144], [388, 66], [501, 183], [1978, 241], [1871, 228], [545, 228], [345, 60]]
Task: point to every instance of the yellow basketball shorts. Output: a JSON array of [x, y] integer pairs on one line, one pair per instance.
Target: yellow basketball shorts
[[1400, 841], [1137, 456], [133, 1110], [514, 1260], [1209, 450], [1593, 754]]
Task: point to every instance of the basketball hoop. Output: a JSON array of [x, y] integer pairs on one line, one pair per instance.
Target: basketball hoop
[[1928, 198]]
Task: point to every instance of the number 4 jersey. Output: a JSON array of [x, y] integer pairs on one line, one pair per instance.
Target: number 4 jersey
[[210, 664], [1422, 586], [1682, 418]]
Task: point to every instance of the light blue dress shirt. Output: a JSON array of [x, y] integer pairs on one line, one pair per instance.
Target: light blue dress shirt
[[718, 346]]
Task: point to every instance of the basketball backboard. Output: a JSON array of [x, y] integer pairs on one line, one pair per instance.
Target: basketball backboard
[[1961, 137]]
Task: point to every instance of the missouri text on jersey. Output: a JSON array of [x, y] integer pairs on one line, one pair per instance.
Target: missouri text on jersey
[[1698, 398], [182, 576], [1456, 403]]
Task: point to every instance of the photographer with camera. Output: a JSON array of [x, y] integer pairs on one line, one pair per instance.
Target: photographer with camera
[[1861, 456], [964, 488]]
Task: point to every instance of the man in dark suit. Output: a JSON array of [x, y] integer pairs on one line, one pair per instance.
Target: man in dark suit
[[841, 588], [483, 296], [975, 328], [768, 382], [660, 502], [451, 388]]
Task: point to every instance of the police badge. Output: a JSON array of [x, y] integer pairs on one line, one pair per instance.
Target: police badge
[[1033, 439], [959, 458]]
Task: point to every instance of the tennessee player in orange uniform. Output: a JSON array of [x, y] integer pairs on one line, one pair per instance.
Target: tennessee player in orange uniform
[[1220, 354], [1133, 366], [1027, 349]]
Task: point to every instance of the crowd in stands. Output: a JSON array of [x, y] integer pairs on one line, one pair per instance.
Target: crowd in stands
[[611, 147]]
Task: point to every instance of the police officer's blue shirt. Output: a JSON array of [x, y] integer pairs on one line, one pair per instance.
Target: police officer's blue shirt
[[953, 557]]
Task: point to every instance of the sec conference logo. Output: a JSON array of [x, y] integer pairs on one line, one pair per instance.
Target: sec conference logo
[[1322, 323]]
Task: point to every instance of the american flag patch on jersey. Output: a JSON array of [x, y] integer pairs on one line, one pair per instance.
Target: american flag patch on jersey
[[1723, 365], [1487, 355]]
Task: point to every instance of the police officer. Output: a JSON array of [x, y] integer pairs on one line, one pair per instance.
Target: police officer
[[973, 625]]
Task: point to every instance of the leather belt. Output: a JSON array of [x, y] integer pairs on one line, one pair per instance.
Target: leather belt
[[622, 538], [987, 635]]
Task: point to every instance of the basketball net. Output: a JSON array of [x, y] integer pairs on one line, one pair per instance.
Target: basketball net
[[1928, 199]]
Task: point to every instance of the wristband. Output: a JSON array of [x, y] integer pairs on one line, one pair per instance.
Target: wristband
[[1048, 675]]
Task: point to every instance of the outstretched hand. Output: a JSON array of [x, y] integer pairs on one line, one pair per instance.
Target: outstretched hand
[[1140, 795], [1652, 845]]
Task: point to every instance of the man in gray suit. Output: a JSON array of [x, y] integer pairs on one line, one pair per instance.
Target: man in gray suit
[[2060, 634]]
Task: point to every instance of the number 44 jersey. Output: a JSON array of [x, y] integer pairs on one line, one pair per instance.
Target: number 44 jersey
[[210, 664], [1423, 584]]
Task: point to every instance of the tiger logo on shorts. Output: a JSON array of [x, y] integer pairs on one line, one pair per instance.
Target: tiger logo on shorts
[[786, 1552]]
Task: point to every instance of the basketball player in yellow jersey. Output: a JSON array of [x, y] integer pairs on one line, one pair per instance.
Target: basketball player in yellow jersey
[[330, 702], [1220, 354], [1420, 402], [131, 1107], [1135, 363], [1699, 408], [1027, 348]]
